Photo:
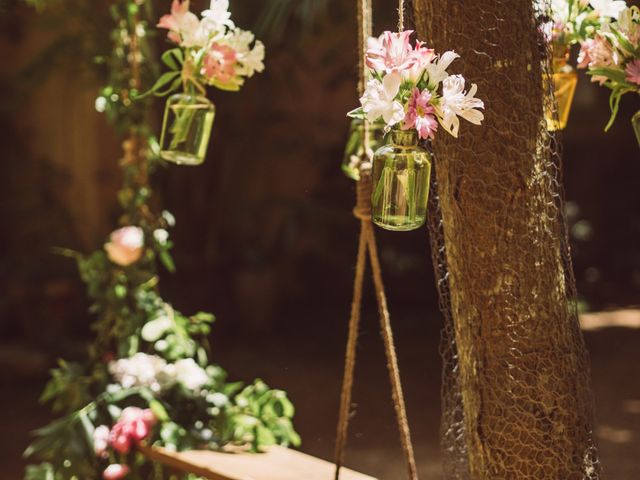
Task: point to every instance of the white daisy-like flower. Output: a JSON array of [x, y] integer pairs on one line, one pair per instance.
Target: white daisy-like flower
[[456, 103]]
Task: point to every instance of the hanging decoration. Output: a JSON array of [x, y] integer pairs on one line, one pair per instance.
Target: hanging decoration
[[147, 381], [411, 91], [612, 59], [211, 51], [367, 245], [573, 21]]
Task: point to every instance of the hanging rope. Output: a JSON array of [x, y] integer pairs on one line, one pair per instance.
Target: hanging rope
[[367, 243], [401, 16]]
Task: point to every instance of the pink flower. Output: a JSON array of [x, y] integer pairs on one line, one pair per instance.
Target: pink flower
[[133, 426], [596, 53], [126, 246], [220, 63], [391, 52], [633, 72], [175, 22], [115, 471], [420, 114], [101, 441], [423, 57]]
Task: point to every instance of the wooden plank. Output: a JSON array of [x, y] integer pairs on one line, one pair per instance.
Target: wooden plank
[[277, 463]]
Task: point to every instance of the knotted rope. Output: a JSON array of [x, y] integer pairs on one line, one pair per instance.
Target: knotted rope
[[367, 243]]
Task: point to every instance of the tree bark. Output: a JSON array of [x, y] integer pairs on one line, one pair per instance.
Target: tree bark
[[506, 280]]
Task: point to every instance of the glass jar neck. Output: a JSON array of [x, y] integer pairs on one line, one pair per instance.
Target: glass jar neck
[[560, 55], [404, 138]]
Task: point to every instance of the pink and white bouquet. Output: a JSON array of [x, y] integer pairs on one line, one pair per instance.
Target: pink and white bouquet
[[612, 57], [410, 88], [573, 21], [210, 50]]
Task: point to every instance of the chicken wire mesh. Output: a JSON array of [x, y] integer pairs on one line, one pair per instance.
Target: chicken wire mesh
[[516, 398]]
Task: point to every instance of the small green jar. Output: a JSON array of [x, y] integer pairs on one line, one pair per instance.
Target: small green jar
[[401, 173], [354, 149], [186, 129]]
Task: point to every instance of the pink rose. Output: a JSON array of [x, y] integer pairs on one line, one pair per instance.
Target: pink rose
[[115, 471], [125, 246]]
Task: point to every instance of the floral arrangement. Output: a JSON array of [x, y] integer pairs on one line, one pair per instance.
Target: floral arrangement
[[574, 21], [148, 378], [612, 56], [210, 50], [410, 88]]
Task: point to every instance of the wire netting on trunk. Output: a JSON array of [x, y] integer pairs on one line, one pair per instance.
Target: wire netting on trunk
[[516, 398]]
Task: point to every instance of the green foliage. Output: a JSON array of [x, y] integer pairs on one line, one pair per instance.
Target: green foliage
[[131, 318]]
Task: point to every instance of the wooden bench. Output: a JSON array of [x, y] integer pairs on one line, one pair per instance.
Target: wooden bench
[[277, 463]]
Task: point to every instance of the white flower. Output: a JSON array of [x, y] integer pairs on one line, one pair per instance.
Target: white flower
[[250, 60], [379, 100], [140, 370], [608, 8], [190, 374], [161, 235], [560, 11], [436, 71], [155, 328], [217, 16], [101, 441], [456, 103]]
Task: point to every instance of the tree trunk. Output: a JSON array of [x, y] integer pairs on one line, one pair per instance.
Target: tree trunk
[[516, 379]]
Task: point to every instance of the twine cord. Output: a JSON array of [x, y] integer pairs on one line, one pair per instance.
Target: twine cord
[[367, 244]]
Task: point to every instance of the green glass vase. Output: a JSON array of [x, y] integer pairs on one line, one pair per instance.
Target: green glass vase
[[401, 173], [354, 150], [635, 121], [186, 129]]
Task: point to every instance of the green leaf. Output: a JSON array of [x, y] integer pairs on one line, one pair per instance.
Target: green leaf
[[173, 58], [164, 80], [167, 261], [159, 411]]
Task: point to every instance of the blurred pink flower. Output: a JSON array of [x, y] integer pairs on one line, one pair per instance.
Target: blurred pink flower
[[633, 72], [115, 471], [133, 425], [219, 63], [391, 52], [420, 114], [125, 246], [596, 53], [175, 21]]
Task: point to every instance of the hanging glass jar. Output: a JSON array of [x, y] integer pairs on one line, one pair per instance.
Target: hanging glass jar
[[354, 150], [186, 128], [635, 121], [401, 173], [565, 81]]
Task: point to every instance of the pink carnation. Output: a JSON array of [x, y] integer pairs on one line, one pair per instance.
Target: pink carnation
[[633, 72], [115, 471], [220, 63], [420, 114], [391, 52]]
